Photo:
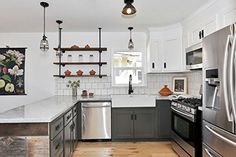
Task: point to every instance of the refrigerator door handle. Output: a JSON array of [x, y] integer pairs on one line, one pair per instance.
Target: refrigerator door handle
[[225, 84], [221, 136], [231, 77]]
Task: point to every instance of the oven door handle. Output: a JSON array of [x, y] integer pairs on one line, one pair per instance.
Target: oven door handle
[[182, 113]]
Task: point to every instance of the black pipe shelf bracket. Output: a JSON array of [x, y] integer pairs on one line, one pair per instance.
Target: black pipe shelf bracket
[[99, 49]]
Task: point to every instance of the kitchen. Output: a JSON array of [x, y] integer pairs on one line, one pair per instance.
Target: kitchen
[[162, 55]]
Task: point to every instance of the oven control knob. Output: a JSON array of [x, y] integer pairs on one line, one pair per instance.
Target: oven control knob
[[188, 109], [179, 106]]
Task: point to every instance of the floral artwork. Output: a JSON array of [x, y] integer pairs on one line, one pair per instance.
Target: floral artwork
[[12, 68]]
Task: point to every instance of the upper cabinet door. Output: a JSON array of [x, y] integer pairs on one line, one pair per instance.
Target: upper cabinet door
[[155, 59], [210, 27], [172, 54], [165, 50]]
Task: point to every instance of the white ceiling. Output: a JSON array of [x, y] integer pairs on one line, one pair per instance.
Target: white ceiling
[[88, 15]]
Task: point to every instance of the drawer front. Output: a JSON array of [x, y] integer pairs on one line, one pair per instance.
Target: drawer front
[[67, 117], [56, 145], [56, 127], [75, 110]]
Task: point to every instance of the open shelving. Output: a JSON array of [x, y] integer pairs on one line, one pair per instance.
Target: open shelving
[[99, 63], [63, 76]]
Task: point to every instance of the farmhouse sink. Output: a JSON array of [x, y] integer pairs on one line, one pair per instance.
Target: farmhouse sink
[[133, 101]]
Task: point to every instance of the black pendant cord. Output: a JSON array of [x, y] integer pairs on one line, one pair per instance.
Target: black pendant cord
[[130, 36], [100, 52], [44, 22]]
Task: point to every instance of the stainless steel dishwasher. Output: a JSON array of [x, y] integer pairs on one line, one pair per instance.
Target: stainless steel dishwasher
[[96, 120]]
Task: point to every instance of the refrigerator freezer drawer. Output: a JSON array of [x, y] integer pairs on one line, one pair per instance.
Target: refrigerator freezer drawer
[[208, 152], [222, 142]]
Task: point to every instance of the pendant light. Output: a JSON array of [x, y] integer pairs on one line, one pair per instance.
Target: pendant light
[[44, 46], [129, 9], [131, 43]]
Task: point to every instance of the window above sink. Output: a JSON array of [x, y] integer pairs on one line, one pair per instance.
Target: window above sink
[[125, 64]]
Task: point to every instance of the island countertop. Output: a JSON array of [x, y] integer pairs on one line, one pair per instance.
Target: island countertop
[[44, 111]]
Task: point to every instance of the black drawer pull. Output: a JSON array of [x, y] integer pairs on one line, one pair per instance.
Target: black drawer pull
[[164, 65], [68, 117], [58, 127], [57, 146], [153, 65]]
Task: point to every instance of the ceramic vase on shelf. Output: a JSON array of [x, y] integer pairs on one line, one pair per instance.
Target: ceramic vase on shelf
[[165, 91], [74, 92]]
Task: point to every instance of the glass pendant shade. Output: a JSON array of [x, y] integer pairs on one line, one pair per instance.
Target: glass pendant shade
[[131, 44], [44, 46], [129, 9]]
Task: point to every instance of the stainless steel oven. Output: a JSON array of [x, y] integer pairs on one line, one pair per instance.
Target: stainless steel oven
[[183, 127], [186, 129]]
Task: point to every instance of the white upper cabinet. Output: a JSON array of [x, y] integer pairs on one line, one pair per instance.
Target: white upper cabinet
[[208, 19], [165, 49], [198, 32]]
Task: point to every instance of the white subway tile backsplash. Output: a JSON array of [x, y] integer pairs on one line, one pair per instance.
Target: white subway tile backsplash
[[154, 83]]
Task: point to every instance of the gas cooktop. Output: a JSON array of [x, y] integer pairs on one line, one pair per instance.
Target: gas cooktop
[[191, 102]]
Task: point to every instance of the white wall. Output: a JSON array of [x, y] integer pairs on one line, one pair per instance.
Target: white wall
[[39, 68]]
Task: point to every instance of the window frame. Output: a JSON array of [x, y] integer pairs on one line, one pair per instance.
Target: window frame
[[142, 68]]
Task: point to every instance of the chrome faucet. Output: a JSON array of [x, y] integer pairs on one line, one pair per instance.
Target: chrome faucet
[[130, 85]]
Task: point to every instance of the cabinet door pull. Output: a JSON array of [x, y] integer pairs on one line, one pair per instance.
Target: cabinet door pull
[[132, 117], [153, 65], [200, 35], [164, 65], [58, 127], [135, 117], [57, 146], [68, 117]]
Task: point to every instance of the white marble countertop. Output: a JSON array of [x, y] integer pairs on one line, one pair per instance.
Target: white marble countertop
[[44, 111]]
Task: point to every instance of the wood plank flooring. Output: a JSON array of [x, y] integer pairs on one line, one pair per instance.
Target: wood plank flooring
[[124, 149]]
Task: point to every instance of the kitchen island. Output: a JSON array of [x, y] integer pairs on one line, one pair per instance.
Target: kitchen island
[[45, 128], [50, 127]]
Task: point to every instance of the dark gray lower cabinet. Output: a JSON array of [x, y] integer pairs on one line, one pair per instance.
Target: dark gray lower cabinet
[[133, 123], [144, 123], [64, 133], [68, 139], [122, 123], [163, 119]]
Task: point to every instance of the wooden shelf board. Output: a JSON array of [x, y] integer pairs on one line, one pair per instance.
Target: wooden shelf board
[[79, 76], [79, 63], [83, 49]]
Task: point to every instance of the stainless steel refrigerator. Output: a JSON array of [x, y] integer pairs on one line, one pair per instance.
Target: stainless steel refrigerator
[[219, 93]]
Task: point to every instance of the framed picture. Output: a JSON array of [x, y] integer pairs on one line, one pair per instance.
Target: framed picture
[[12, 71], [180, 85]]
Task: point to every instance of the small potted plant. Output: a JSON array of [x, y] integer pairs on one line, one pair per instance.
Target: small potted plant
[[73, 85]]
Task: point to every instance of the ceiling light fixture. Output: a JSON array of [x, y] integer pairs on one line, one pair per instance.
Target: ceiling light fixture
[[44, 46], [129, 9], [131, 43]]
